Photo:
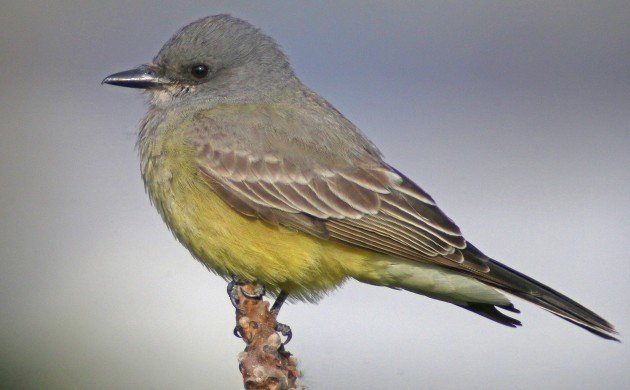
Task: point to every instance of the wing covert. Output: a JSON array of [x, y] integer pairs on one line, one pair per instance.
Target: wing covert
[[371, 206]]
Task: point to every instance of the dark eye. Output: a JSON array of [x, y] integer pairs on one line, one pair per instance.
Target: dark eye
[[199, 71]]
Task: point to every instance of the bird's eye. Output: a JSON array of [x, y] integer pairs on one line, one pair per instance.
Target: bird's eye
[[199, 71]]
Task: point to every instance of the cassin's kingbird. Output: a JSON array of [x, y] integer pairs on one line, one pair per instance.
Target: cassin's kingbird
[[264, 180]]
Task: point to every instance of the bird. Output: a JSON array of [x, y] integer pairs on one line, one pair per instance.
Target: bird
[[265, 182]]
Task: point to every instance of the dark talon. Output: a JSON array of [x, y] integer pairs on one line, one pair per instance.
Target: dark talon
[[232, 293], [259, 291], [237, 332], [285, 330]]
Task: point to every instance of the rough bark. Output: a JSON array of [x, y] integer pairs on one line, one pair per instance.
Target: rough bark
[[265, 364]]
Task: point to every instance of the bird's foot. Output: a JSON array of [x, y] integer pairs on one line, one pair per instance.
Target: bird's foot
[[284, 330], [258, 291], [232, 293]]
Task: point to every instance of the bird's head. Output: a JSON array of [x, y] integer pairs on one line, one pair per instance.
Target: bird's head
[[218, 58]]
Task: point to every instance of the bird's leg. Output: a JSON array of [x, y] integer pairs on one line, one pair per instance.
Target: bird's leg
[[285, 330], [275, 308]]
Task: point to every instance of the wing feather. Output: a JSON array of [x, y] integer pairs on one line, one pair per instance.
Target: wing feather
[[298, 201], [323, 192], [307, 192], [371, 206], [361, 199]]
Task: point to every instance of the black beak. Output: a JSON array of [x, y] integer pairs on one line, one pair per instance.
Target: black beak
[[143, 76]]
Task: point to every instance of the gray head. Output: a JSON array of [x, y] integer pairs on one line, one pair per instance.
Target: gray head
[[215, 58]]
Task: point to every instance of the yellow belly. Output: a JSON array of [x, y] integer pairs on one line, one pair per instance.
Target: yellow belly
[[230, 243]]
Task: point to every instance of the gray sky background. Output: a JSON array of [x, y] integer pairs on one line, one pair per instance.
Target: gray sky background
[[515, 116]]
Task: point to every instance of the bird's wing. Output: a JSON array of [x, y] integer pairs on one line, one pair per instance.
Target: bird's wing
[[371, 205]]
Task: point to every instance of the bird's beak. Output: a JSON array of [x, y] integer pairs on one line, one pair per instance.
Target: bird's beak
[[143, 76]]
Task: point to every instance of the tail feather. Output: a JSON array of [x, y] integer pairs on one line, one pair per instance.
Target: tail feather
[[513, 282], [490, 311], [602, 330]]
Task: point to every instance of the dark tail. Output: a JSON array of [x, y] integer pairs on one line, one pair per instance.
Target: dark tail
[[522, 286]]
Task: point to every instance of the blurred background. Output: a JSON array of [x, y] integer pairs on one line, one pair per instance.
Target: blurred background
[[515, 116]]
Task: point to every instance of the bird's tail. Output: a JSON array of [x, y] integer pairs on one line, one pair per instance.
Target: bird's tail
[[515, 283], [482, 292]]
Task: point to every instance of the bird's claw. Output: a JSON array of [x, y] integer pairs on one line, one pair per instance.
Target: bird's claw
[[258, 293], [285, 330], [232, 293]]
